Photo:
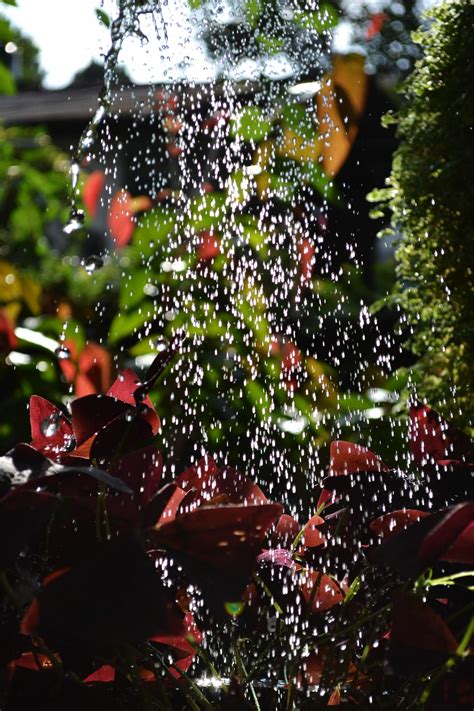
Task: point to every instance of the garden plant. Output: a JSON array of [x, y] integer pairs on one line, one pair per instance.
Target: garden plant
[[240, 487]]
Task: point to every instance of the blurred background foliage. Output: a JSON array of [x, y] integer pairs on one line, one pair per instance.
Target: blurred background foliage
[[265, 380]]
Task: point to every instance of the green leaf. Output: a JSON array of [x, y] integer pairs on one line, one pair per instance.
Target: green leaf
[[239, 188], [206, 211], [298, 119], [259, 399], [152, 232], [132, 292], [127, 324], [103, 17], [323, 19], [9, 2], [272, 45], [251, 124], [257, 240], [282, 188], [195, 4], [252, 11], [315, 176], [7, 82]]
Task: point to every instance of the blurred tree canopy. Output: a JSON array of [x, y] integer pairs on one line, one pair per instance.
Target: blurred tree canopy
[[295, 38], [19, 60]]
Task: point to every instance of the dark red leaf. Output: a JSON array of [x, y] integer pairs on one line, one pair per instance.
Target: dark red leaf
[[120, 436], [94, 369], [285, 531], [141, 471], [130, 389], [164, 506], [226, 486], [121, 219], [116, 597], [391, 523], [24, 516], [433, 439], [349, 458], [209, 246], [312, 536], [158, 366], [227, 538], [279, 557], [415, 624], [124, 386], [444, 533], [195, 476], [51, 431], [320, 591], [462, 550], [7, 334], [92, 412], [400, 551]]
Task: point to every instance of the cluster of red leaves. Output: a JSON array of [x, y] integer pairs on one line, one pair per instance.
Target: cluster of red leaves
[[86, 500], [122, 208]]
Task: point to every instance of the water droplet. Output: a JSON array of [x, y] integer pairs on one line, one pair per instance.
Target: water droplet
[[75, 169], [161, 344], [50, 425], [76, 221], [150, 290], [62, 353], [93, 263], [130, 415]]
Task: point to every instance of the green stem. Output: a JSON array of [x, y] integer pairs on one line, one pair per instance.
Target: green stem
[[202, 698], [206, 658], [242, 672], [268, 592]]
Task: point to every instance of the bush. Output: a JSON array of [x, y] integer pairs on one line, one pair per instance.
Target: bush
[[431, 198]]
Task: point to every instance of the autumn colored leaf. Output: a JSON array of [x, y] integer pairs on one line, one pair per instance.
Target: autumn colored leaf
[[122, 215], [92, 190], [340, 105]]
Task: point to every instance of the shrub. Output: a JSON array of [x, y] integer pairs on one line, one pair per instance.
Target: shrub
[[431, 198]]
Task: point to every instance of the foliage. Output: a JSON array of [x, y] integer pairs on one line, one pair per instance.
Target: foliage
[[19, 60], [203, 257], [296, 38], [123, 583], [430, 197], [266, 30], [40, 269]]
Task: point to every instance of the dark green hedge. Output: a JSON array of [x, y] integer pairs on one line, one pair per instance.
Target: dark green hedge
[[431, 198]]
